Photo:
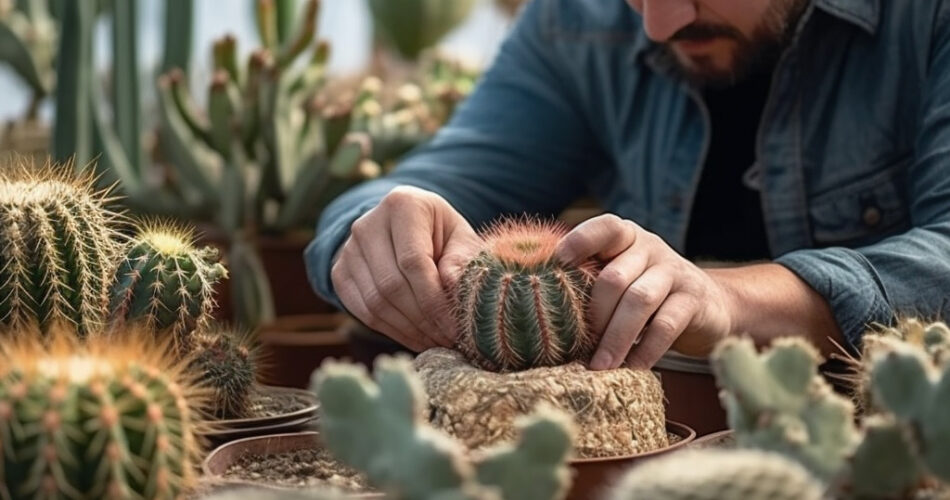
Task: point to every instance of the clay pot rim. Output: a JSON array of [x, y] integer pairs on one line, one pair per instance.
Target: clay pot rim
[[711, 437], [252, 422]]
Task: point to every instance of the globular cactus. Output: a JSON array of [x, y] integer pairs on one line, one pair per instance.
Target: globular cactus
[[165, 283], [519, 307], [225, 363], [719, 475], [779, 402], [381, 429], [110, 419], [58, 245]]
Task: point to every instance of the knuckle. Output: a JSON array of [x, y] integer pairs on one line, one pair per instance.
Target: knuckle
[[638, 295], [390, 286], [374, 300], [665, 325], [614, 278], [411, 262]]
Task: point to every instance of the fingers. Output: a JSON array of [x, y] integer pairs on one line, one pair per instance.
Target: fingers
[[349, 293], [605, 237], [421, 286], [666, 326], [611, 284], [639, 301]]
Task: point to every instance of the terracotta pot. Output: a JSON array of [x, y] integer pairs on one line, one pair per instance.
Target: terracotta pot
[[221, 431], [292, 347], [721, 439], [282, 258], [691, 390], [591, 476]]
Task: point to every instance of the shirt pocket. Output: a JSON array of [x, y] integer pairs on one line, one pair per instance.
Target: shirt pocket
[[864, 211]]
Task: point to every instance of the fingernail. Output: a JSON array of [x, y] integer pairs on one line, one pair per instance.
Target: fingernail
[[602, 361]]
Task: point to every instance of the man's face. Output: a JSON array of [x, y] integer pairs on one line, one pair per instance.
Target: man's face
[[719, 41]]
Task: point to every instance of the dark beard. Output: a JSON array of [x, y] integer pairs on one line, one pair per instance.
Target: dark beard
[[752, 55]]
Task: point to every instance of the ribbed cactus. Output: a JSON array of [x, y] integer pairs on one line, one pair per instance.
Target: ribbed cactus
[[58, 245], [224, 363], [411, 26], [519, 307], [719, 475], [381, 429], [166, 283], [779, 402], [106, 420]]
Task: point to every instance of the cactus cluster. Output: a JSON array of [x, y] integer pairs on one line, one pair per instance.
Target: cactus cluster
[[518, 306], [104, 420], [28, 40], [381, 429], [719, 475], [166, 283], [779, 402], [58, 243]]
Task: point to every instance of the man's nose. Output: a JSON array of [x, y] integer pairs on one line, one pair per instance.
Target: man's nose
[[663, 18]]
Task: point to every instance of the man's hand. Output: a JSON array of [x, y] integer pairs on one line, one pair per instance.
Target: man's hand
[[387, 273], [647, 298]]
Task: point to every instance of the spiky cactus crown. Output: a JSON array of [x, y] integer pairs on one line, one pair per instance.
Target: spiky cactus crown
[[225, 362], [519, 307], [165, 282], [58, 243], [108, 419]]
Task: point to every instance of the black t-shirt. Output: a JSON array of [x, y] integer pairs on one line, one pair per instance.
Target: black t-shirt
[[726, 222]]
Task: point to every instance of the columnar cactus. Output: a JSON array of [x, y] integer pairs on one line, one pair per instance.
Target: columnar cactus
[[517, 306], [411, 26], [381, 429], [778, 402], [719, 475], [58, 244], [105, 420], [28, 38], [226, 365], [166, 283]]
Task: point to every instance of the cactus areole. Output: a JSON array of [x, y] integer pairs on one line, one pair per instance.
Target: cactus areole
[[517, 306]]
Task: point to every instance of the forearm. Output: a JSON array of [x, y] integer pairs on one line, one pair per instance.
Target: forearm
[[768, 301]]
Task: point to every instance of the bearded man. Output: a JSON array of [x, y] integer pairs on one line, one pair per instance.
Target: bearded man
[[802, 146]]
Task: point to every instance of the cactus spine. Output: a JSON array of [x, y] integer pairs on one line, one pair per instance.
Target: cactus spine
[[517, 306], [57, 248], [719, 475], [381, 429], [225, 364], [105, 420], [166, 283]]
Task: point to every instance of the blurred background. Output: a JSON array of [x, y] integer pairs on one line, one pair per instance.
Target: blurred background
[[240, 120]]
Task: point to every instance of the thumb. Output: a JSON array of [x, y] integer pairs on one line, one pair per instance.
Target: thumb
[[461, 248]]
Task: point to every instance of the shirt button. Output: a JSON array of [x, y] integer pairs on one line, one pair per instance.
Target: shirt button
[[871, 216]]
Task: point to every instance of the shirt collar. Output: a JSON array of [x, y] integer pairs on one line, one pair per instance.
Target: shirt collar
[[866, 14]]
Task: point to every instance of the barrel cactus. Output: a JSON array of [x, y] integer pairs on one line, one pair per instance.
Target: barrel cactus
[[58, 242], [224, 363], [518, 306], [166, 283], [719, 475], [110, 419]]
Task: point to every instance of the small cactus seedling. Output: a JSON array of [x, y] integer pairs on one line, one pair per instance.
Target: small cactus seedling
[[58, 243], [225, 364], [519, 307], [166, 283], [779, 402], [381, 429], [719, 475], [110, 419]]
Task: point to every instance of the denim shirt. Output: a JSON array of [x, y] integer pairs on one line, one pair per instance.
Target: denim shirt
[[853, 150]]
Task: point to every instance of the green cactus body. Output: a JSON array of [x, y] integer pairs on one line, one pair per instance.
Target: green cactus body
[[517, 306], [226, 366], [108, 420], [719, 475], [166, 283], [57, 248], [381, 428], [779, 402], [411, 26]]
